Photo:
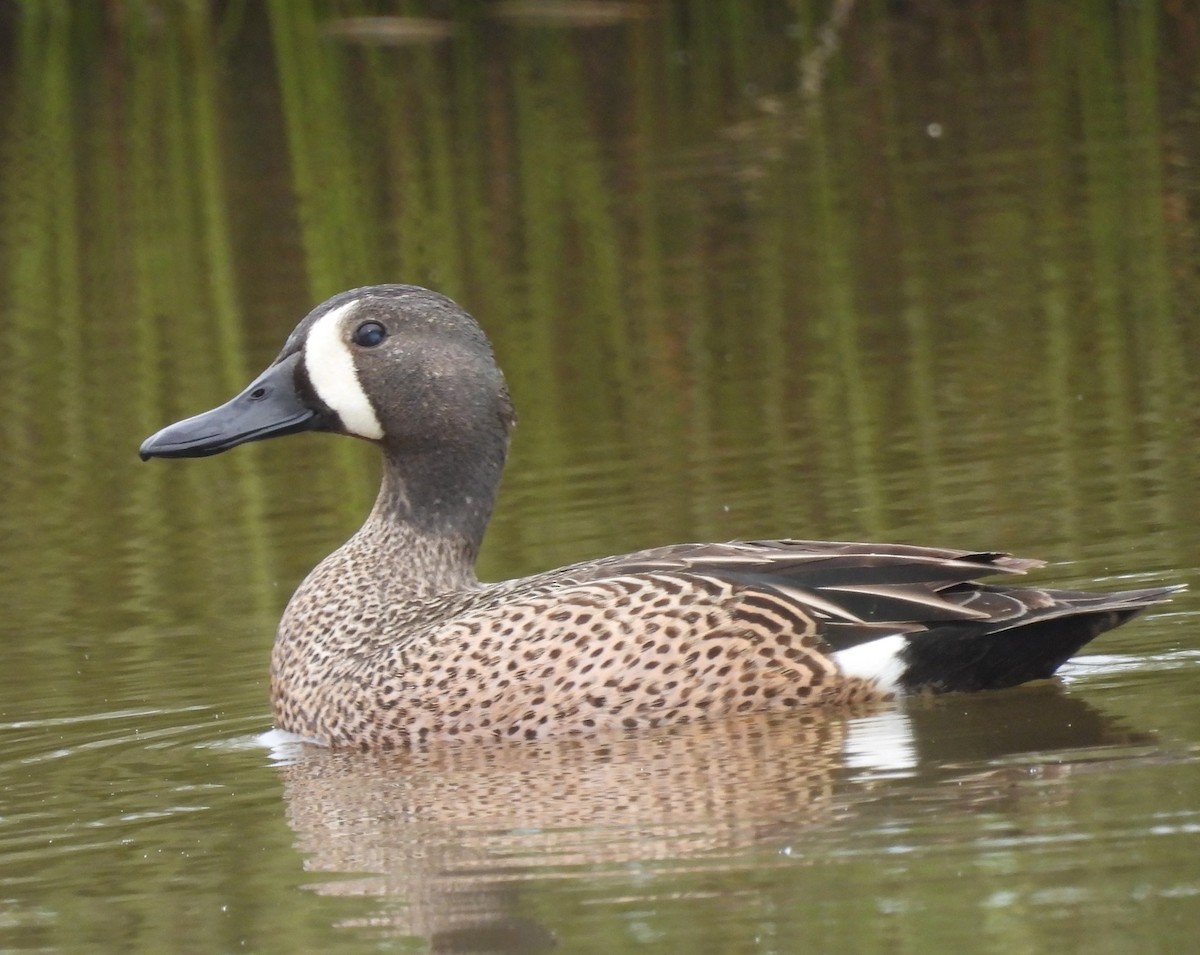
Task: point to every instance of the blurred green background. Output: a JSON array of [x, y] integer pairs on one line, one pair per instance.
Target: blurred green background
[[904, 270]]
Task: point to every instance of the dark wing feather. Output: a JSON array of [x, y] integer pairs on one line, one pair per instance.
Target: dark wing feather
[[860, 592]]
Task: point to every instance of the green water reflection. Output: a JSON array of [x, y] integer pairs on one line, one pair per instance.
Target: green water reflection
[[920, 272]]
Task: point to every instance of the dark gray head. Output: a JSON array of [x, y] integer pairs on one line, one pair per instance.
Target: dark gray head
[[401, 365], [398, 365]]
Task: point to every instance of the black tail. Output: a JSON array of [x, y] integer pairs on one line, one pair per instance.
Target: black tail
[[990, 656]]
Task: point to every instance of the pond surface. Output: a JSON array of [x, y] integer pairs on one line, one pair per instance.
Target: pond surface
[[910, 272]]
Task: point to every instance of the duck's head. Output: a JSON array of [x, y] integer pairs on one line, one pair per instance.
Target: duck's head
[[398, 365]]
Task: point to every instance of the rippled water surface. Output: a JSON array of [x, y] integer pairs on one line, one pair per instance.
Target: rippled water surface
[[912, 272]]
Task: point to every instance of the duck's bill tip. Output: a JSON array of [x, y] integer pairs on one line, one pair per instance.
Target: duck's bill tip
[[179, 441], [270, 406], [216, 431]]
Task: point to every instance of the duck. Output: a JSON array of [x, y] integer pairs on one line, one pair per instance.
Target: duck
[[392, 641]]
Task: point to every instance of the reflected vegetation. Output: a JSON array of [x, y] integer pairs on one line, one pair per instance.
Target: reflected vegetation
[[903, 271], [675, 254]]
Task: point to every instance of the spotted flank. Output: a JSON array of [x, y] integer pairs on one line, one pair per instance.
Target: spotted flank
[[391, 641]]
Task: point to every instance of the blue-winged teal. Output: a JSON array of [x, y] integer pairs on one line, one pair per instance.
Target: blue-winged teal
[[392, 640]]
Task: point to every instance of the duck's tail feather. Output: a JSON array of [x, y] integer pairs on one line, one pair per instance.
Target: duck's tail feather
[[962, 657], [1030, 635]]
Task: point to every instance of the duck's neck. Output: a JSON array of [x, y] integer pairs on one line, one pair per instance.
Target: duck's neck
[[428, 521]]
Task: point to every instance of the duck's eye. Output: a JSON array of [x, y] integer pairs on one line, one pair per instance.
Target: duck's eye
[[369, 334]]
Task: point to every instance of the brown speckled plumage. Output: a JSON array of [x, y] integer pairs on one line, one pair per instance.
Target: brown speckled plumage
[[592, 646], [392, 641]]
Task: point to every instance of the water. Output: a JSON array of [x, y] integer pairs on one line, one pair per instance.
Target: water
[[926, 276]]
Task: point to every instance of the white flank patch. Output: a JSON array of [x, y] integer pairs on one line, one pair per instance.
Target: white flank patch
[[877, 660], [330, 366]]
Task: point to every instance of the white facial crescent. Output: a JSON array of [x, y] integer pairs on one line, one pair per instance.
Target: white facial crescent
[[334, 377]]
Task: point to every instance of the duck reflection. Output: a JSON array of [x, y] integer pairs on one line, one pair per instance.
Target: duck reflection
[[450, 837]]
